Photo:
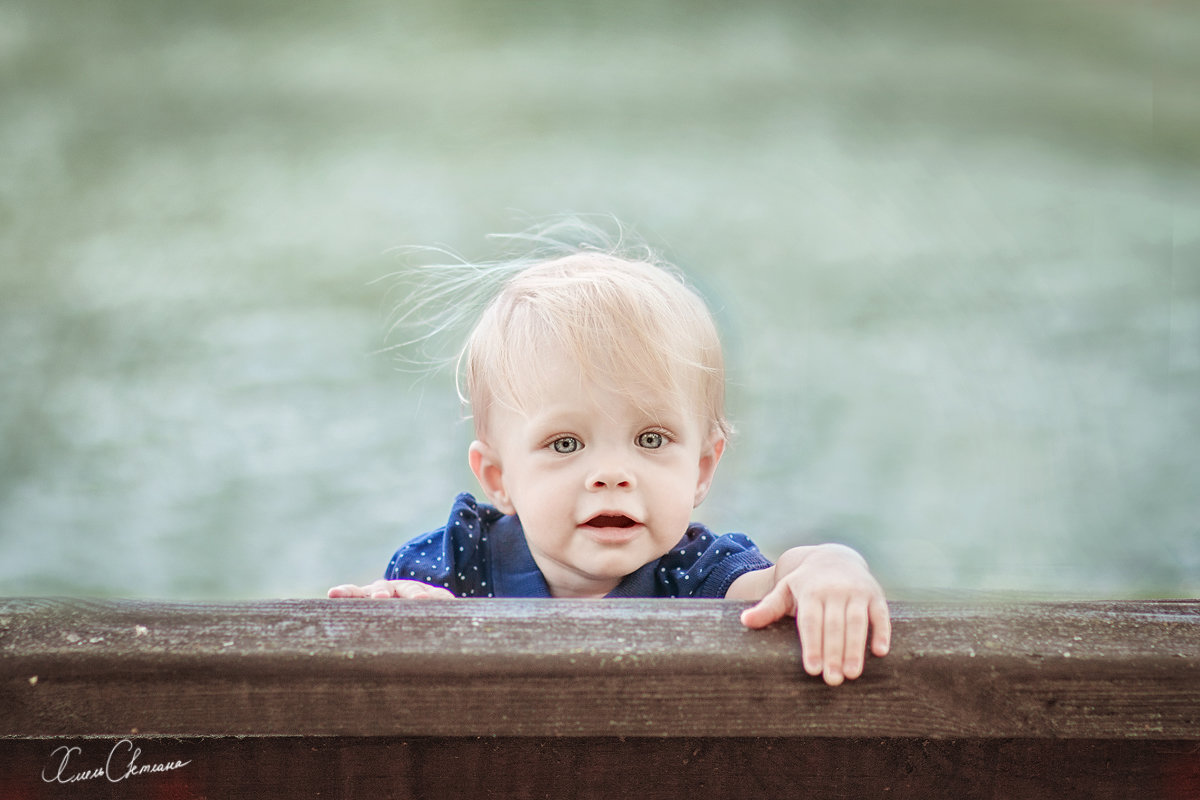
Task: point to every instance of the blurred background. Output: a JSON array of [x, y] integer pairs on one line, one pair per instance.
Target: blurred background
[[954, 250]]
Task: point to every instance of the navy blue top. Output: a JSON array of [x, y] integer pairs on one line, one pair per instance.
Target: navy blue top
[[482, 553]]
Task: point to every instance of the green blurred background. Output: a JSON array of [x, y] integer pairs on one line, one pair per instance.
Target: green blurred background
[[954, 248]]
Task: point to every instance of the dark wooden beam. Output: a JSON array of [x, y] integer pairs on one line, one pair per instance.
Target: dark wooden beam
[[553, 668], [603, 768]]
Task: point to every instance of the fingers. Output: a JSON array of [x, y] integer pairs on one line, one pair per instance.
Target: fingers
[[833, 631], [881, 626], [406, 590], [833, 638], [346, 590], [412, 590], [857, 621], [810, 623], [833, 645], [777, 603], [820, 626], [384, 589]]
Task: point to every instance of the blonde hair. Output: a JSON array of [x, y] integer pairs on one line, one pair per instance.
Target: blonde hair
[[626, 317], [630, 324]]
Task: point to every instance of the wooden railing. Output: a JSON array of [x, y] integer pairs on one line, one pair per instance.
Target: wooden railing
[[560, 698]]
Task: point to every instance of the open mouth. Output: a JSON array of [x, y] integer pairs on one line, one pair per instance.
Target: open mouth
[[611, 521]]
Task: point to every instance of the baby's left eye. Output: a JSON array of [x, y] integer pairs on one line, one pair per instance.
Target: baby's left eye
[[651, 440], [565, 445]]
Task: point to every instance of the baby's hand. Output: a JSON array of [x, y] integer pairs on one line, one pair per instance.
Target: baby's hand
[[381, 589], [835, 601]]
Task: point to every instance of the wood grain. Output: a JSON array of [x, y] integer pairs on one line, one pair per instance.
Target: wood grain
[[553, 668]]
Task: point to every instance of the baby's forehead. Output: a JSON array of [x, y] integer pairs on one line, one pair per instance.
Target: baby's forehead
[[553, 381]]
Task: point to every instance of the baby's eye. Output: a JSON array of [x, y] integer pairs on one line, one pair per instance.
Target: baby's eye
[[565, 444], [651, 440]]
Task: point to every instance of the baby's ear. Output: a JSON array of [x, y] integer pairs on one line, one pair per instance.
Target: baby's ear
[[710, 456], [485, 463]]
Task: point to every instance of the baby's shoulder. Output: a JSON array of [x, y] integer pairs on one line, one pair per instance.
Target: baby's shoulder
[[698, 540], [456, 555], [704, 564], [470, 522], [467, 526]]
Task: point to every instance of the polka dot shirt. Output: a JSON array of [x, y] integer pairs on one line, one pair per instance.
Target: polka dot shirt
[[482, 553]]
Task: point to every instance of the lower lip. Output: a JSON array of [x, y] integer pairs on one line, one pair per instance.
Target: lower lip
[[612, 536]]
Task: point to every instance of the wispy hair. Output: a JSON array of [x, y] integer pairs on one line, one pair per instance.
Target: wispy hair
[[605, 299]]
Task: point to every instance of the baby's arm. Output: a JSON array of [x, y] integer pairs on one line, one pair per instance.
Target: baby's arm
[[835, 600], [383, 589]]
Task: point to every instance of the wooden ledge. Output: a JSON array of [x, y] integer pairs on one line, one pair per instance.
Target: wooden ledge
[[549, 668]]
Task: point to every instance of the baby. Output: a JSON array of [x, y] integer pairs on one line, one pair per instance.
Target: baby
[[596, 384]]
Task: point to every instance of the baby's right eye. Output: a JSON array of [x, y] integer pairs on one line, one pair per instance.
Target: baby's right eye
[[565, 445]]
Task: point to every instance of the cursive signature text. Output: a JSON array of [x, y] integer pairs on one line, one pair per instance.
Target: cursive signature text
[[121, 764]]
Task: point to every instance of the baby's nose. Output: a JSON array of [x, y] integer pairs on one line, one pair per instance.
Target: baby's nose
[[611, 477]]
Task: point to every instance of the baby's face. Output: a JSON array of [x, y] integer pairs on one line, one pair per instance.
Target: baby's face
[[603, 483]]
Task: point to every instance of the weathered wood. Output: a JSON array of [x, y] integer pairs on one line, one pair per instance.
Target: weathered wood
[[1118, 671]]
